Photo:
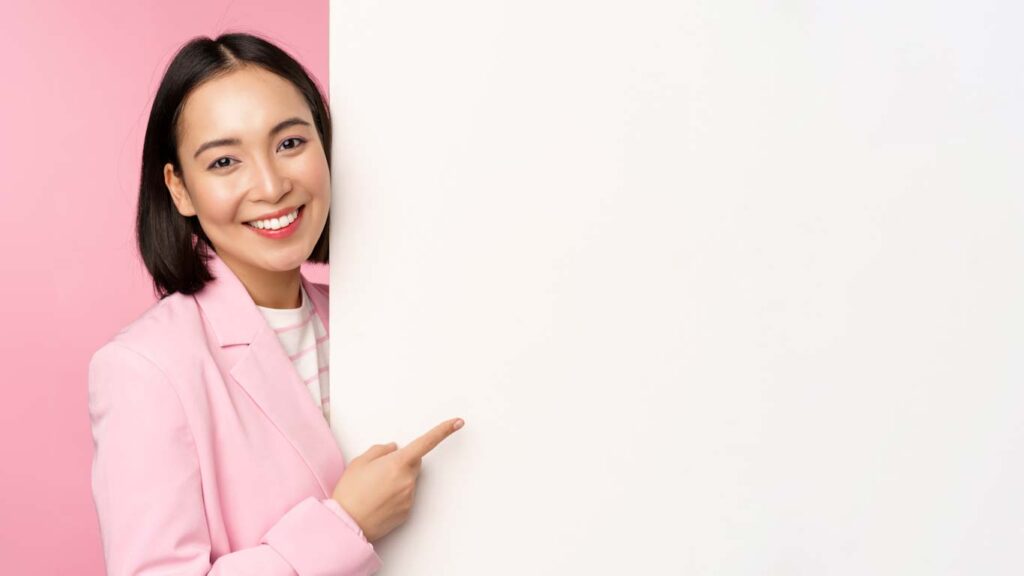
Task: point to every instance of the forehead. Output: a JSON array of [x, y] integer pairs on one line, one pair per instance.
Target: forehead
[[243, 103]]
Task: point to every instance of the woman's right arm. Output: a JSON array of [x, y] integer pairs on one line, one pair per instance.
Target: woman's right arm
[[147, 490]]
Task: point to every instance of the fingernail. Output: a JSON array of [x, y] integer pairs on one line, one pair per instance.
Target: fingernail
[[458, 424]]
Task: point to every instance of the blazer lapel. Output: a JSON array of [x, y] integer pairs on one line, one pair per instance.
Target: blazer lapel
[[268, 375], [320, 303]]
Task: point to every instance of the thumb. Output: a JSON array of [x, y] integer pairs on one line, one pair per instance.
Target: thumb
[[376, 451]]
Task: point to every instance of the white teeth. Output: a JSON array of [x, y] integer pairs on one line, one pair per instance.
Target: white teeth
[[275, 223]]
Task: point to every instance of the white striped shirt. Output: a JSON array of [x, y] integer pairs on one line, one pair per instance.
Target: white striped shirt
[[304, 339]]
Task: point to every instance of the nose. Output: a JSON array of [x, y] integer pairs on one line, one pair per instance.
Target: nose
[[271, 183]]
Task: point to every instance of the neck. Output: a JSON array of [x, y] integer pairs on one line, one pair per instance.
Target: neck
[[270, 288]]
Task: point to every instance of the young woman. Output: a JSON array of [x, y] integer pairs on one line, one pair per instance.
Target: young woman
[[210, 412]]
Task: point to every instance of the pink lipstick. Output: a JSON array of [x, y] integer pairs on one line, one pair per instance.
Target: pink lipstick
[[282, 232]]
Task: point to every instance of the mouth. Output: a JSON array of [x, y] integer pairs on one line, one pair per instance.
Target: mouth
[[279, 222], [278, 227]]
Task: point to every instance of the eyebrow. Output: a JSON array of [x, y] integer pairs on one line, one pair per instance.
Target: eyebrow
[[235, 141]]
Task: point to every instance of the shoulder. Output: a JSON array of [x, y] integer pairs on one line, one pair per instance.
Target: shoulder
[[163, 337]]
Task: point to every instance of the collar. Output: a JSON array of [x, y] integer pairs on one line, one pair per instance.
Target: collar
[[232, 313]]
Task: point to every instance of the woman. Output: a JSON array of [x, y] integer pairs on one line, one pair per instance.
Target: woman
[[210, 412]]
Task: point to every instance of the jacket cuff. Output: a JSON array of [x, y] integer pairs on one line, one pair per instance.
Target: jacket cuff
[[316, 540], [333, 505]]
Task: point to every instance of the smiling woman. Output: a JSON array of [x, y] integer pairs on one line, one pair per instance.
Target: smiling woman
[[210, 456], [238, 130], [247, 153], [241, 164]]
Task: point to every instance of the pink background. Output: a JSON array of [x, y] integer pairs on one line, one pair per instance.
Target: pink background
[[78, 80]]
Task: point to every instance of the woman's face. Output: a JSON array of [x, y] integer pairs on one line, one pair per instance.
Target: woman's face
[[248, 150]]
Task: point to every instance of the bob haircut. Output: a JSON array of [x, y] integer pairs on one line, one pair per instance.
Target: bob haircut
[[174, 248]]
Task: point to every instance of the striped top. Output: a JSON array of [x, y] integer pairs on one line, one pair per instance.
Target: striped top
[[304, 339]]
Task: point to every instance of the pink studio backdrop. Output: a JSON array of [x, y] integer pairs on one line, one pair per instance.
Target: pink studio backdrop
[[78, 79]]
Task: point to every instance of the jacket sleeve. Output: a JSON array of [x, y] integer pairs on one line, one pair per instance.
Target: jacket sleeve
[[148, 495]]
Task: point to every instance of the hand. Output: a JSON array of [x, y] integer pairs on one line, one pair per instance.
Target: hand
[[378, 487]]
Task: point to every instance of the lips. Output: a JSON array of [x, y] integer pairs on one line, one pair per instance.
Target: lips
[[282, 231]]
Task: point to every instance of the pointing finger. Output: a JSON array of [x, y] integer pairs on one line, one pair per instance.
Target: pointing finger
[[419, 447]]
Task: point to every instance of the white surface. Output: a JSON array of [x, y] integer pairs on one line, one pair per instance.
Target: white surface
[[719, 287]]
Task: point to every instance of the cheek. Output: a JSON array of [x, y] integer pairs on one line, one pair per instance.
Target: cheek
[[316, 175], [217, 203]]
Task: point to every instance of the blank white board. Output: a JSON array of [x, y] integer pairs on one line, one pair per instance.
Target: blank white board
[[718, 287]]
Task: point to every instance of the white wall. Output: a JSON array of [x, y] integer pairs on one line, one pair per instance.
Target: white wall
[[719, 287]]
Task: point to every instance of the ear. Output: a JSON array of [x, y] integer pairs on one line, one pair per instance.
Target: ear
[[179, 194]]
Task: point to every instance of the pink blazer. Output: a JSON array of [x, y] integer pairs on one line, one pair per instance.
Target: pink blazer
[[210, 455]]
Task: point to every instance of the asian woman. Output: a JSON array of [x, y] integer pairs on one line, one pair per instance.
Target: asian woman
[[214, 452]]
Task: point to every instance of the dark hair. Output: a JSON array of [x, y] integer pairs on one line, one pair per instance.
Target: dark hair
[[174, 248]]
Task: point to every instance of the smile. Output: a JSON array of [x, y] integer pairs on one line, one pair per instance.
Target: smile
[[275, 223], [280, 227]]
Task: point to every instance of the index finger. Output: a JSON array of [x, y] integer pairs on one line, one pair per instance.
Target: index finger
[[419, 447]]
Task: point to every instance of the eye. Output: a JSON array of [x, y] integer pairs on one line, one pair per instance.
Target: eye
[[298, 142], [217, 163]]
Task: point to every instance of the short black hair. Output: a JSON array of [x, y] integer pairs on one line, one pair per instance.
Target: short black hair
[[174, 247]]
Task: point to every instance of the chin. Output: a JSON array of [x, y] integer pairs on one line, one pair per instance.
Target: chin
[[286, 266], [284, 263]]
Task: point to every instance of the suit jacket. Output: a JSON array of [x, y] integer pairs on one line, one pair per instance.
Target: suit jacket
[[210, 456]]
